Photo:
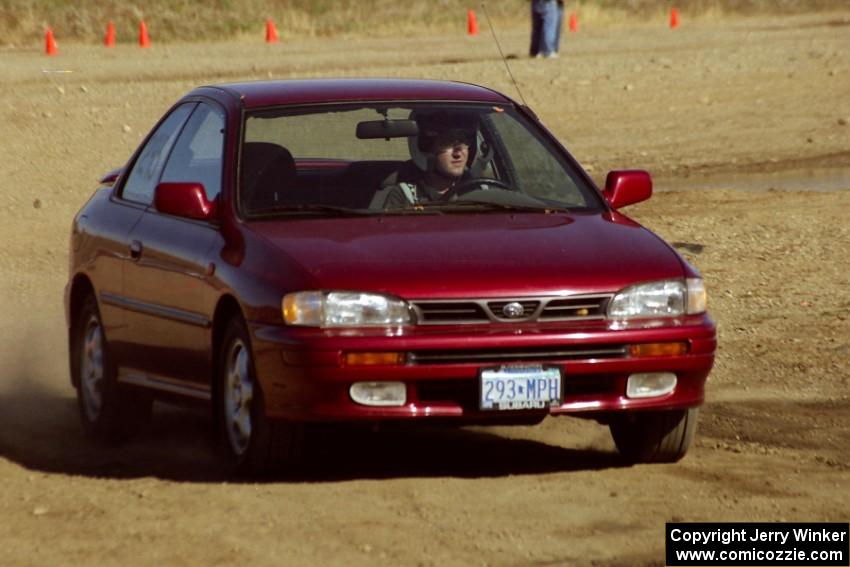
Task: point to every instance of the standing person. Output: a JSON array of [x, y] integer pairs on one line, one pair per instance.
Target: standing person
[[559, 23], [544, 16]]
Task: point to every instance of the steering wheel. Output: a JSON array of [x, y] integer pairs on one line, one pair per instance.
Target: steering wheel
[[471, 185]]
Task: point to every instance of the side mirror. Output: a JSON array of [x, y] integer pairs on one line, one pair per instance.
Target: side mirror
[[626, 187], [187, 200]]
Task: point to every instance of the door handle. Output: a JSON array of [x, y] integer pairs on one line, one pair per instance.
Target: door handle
[[135, 249]]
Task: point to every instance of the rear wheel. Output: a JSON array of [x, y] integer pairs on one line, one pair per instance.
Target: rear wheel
[[108, 411], [656, 436], [251, 444]]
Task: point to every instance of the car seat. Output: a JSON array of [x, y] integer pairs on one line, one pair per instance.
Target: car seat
[[267, 171], [361, 180]]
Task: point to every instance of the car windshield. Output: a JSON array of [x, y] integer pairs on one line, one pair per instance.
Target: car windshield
[[436, 158]]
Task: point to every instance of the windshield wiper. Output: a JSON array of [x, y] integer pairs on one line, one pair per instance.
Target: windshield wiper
[[312, 208], [465, 205]]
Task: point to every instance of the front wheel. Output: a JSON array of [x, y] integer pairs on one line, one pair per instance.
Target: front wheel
[[655, 436], [251, 444]]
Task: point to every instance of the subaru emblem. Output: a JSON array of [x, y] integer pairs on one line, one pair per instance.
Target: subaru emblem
[[513, 310]]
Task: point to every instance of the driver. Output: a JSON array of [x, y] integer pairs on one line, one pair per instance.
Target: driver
[[441, 158]]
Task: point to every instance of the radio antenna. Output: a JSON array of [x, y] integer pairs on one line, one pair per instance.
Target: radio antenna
[[501, 53]]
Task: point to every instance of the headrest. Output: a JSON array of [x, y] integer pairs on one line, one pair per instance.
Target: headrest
[[266, 170], [258, 156]]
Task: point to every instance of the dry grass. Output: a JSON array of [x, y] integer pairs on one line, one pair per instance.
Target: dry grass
[[24, 21]]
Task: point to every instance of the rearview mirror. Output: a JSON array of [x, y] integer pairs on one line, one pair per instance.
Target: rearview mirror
[[627, 187], [187, 200], [374, 129]]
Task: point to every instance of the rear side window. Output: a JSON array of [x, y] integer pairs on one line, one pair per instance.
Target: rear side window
[[197, 154], [144, 176]]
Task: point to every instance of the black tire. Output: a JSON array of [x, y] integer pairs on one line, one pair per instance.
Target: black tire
[[109, 412], [656, 436], [249, 442]]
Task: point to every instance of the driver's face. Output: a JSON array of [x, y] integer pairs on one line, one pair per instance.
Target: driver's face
[[451, 157]]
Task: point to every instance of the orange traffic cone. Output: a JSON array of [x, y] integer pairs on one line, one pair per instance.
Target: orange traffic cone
[[109, 40], [144, 40], [674, 18], [471, 23], [573, 22], [50, 43], [271, 32]]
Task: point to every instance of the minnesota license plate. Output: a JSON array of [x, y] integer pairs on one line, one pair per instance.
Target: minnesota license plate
[[520, 387]]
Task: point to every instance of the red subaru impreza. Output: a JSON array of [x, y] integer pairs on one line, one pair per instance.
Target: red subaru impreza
[[377, 251]]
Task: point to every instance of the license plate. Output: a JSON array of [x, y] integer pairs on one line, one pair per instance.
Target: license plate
[[520, 387]]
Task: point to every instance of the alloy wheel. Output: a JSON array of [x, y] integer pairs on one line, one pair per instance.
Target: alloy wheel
[[92, 369], [238, 397]]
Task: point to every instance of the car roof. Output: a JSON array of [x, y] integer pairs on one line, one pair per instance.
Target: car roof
[[259, 94]]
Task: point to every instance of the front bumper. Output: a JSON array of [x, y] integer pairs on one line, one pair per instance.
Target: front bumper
[[303, 375]]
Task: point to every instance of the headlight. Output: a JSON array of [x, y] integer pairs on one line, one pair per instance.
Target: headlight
[[697, 297], [344, 309], [667, 298]]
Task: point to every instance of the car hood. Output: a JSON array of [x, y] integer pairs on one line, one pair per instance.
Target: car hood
[[487, 255]]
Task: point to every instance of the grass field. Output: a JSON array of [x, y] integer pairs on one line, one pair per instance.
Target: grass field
[[23, 22]]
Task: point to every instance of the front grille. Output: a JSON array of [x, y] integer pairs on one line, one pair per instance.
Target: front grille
[[478, 311], [585, 307], [461, 392], [529, 309], [575, 386], [434, 313], [553, 353]]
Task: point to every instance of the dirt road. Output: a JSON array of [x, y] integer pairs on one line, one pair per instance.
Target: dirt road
[[702, 108]]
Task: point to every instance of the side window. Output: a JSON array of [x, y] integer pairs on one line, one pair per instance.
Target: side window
[[144, 176], [197, 155]]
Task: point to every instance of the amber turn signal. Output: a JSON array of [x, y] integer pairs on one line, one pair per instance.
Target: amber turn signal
[[658, 349], [373, 358]]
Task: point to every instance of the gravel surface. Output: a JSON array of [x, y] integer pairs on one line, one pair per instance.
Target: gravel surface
[[744, 125]]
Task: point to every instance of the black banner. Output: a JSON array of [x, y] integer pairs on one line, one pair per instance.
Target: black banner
[[758, 544]]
